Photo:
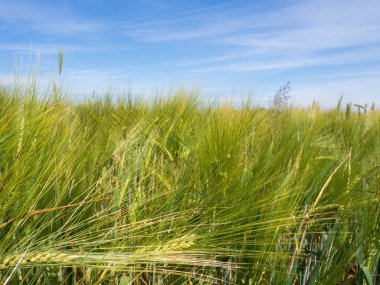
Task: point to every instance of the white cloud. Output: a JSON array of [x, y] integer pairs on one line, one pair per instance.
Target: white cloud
[[303, 34], [45, 20], [292, 62], [41, 49]]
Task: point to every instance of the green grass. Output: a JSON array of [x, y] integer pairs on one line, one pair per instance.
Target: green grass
[[174, 191]]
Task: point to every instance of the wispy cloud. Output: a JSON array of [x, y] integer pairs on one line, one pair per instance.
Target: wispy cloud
[[41, 49], [46, 20], [53, 48], [293, 62], [305, 29], [336, 27]]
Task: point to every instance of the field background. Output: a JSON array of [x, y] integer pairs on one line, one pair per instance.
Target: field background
[[173, 191]]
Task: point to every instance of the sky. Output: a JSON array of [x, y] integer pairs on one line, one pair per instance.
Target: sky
[[225, 49]]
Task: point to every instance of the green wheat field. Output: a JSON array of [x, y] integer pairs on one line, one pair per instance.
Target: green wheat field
[[175, 191]]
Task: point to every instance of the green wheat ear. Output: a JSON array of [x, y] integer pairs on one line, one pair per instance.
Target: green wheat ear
[[60, 56]]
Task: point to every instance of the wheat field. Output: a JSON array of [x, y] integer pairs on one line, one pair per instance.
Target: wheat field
[[175, 191]]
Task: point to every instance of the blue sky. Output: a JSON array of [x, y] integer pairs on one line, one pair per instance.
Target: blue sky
[[225, 48]]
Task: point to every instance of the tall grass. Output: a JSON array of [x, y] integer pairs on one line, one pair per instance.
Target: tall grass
[[176, 192]]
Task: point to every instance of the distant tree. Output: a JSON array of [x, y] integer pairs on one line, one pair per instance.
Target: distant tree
[[281, 97]]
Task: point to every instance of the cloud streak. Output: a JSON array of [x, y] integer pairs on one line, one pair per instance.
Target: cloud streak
[[46, 20], [305, 34]]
